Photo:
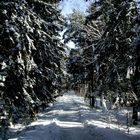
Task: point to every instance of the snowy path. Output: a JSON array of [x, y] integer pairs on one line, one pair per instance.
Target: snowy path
[[70, 119]]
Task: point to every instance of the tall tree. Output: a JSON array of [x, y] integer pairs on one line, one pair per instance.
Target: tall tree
[[30, 52], [136, 77], [107, 37], [114, 49], [83, 35]]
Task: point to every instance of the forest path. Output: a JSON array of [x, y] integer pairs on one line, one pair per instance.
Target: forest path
[[70, 119]]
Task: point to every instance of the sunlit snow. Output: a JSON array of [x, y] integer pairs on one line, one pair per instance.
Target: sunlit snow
[[71, 119]]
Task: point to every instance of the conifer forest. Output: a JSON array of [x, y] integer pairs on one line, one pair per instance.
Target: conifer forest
[[70, 73]]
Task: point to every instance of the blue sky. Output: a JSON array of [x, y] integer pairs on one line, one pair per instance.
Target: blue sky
[[67, 6]]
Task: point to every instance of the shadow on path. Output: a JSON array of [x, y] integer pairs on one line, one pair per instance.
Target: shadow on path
[[68, 119]]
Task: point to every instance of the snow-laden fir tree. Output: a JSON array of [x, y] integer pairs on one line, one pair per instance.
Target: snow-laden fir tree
[[115, 50], [136, 76], [30, 54], [75, 61], [108, 32], [84, 34], [116, 18]]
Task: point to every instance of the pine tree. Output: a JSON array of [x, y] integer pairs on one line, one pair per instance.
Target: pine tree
[[83, 35], [106, 39], [30, 53], [75, 61], [136, 77], [114, 49]]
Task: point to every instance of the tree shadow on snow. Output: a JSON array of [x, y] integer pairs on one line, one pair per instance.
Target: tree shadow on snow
[[69, 122]]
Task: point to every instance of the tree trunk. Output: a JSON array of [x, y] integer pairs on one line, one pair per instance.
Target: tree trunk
[[136, 86], [92, 98], [135, 115], [92, 101]]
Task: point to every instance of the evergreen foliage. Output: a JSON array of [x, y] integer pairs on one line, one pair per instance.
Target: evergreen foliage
[[31, 55], [111, 58]]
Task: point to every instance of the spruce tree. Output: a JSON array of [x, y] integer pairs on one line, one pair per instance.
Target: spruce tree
[[114, 50], [106, 39], [31, 53]]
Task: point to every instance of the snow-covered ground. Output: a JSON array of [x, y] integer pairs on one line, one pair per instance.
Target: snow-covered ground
[[71, 119]]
